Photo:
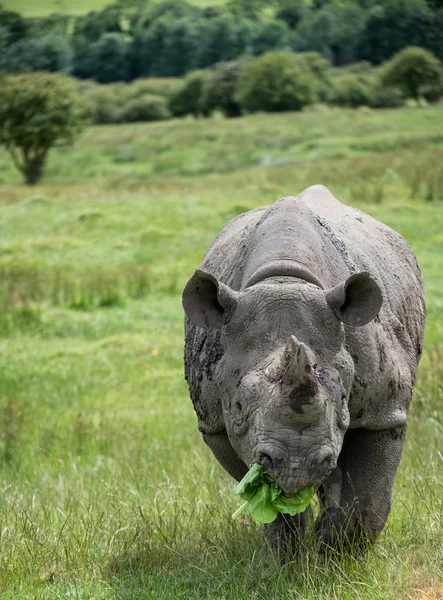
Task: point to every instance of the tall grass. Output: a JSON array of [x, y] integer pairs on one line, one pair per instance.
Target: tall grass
[[107, 490]]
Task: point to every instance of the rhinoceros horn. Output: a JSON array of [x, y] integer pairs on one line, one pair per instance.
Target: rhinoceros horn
[[296, 364]]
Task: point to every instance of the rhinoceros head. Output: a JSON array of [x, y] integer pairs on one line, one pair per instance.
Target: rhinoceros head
[[285, 375]]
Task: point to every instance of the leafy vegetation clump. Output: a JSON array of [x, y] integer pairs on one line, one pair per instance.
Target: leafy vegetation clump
[[266, 499]]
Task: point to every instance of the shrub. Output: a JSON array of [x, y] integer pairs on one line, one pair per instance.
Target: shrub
[[143, 108], [103, 101], [187, 100], [386, 97], [351, 91], [275, 82], [320, 68], [37, 112], [414, 71], [220, 88], [156, 86]]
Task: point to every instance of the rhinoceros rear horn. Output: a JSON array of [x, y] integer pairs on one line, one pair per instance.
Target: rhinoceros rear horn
[[356, 301], [208, 301]]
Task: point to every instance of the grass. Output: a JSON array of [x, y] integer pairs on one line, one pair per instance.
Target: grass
[[107, 490], [41, 8]]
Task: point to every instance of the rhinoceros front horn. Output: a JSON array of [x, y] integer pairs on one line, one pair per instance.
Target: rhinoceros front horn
[[296, 364]]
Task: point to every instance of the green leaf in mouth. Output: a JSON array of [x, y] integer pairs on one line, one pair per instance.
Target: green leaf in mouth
[[265, 499]]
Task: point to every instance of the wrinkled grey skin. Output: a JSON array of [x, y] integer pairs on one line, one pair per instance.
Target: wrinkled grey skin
[[304, 328]]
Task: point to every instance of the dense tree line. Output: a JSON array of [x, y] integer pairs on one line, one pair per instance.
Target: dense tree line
[[135, 38]]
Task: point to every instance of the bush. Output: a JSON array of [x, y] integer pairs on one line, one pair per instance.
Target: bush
[[320, 69], [37, 112], [386, 97], [187, 100], [103, 101], [143, 108], [220, 88], [155, 86], [275, 82], [351, 91], [414, 71]]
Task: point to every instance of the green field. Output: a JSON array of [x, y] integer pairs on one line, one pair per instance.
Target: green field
[[107, 490], [41, 8]]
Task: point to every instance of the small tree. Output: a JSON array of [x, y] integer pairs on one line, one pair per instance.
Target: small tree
[[37, 111], [414, 71], [275, 82]]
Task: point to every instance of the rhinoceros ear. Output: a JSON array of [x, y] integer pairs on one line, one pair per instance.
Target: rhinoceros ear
[[357, 300], [208, 301]]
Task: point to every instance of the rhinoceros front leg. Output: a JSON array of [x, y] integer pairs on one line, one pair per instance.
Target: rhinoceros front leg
[[285, 535], [356, 498]]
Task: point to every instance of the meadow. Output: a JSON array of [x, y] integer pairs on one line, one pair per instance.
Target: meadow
[[41, 8], [107, 490]]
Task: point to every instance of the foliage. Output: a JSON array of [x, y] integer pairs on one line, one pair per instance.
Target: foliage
[[51, 53], [352, 91], [188, 99], [383, 96], [320, 69], [393, 25], [220, 88], [291, 12], [37, 112], [333, 31], [268, 35], [108, 59], [224, 38], [168, 48], [274, 82], [414, 71], [143, 108], [142, 100], [14, 26]]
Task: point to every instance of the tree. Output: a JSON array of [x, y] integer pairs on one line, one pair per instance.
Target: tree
[[275, 82], [392, 26], [414, 71], [291, 11], [49, 53], [109, 59], [37, 112]]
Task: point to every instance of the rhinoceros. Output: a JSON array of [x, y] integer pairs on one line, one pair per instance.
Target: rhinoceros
[[304, 326]]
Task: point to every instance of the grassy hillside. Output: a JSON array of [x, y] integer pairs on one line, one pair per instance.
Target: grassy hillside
[[107, 489], [40, 8]]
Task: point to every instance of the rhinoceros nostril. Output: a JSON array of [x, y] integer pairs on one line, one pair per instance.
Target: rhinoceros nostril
[[324, 466], [267, 462]]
